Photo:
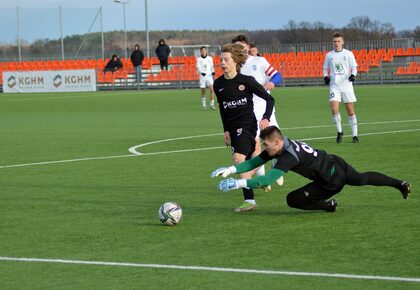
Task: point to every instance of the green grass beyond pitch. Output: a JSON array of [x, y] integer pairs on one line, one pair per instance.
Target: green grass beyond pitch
[[106, 209]]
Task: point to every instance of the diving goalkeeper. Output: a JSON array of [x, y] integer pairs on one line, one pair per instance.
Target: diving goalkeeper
[[328, 173]]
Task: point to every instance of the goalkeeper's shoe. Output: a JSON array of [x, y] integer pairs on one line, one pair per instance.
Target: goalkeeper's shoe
[[405, 188], [332, 205], [246, 206]]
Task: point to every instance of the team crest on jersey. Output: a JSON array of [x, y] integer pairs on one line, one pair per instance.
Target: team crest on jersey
[[238, 131], [338, 67], [241, 87], [254, 67]]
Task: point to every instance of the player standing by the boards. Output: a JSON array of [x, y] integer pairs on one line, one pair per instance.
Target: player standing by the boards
[[343, 70], [205, 68]]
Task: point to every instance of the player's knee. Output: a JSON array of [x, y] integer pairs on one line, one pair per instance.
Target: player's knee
[[238, 158]]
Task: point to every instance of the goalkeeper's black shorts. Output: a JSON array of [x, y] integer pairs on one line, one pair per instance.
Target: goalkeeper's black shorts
[[321, 189]]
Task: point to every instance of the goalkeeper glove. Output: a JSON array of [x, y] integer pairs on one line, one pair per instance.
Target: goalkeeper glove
[[352, 78], [224, 171], [203, 74], [230, 183], [213, 73], [327, 80]]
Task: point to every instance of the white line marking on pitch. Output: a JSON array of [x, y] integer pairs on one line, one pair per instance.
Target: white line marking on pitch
[[66, 161], [135, 152], [133, 149], [72, 96], [214, 269], [178, 151]]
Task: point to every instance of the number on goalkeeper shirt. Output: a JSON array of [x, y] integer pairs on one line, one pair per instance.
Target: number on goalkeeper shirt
[[305, 147]]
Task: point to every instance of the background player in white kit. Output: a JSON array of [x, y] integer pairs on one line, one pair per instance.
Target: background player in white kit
[[253, 50], [343, 70], [205, 69], [266, 75]]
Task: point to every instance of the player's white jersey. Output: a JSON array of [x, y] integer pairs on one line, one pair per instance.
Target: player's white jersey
[[262, 71], [205, 65], [259, 68], [341, 64]]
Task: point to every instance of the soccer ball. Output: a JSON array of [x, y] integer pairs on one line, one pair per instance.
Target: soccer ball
[[170, 213]]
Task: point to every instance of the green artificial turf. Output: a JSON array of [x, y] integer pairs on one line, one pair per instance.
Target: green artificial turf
[[106, 209]]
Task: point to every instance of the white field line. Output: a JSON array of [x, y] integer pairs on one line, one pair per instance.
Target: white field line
[[347, 125], [72, 96], [66, 161], [365, 134], [133, 149], [213, 269], [135, 153]]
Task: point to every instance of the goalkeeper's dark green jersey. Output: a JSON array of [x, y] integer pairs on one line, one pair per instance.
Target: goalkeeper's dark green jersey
[[296, 156]]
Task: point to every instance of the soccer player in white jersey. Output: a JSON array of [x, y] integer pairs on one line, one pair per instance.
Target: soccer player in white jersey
[[266, 75], [253, 50], [343, 70], [205, 70]]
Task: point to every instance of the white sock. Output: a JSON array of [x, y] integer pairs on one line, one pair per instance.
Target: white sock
[[203, 101], [337, 121], [212, 103], [353, 124], [260, 171], [250, 201]]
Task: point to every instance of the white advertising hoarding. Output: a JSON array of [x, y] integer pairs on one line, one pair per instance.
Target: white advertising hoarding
[[49, 81]]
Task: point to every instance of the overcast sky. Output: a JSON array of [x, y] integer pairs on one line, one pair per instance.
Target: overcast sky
[[40, 18]]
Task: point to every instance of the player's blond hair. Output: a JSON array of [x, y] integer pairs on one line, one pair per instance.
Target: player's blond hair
[[238, 54]]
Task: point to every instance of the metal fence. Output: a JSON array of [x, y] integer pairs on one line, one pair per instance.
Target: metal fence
[[351, 45]]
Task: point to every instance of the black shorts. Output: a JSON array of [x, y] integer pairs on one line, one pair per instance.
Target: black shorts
[[243, 142], [322, 190]]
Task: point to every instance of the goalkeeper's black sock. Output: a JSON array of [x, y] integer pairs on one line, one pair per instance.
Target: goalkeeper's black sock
[[248, 193]]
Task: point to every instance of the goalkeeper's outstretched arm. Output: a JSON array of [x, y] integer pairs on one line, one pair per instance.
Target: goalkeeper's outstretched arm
[[239, 168], [250, 164], [265, 180], [260, 181]]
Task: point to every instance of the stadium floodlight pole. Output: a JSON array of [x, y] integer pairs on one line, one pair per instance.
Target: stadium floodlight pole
[[61, 33], [102, 35], [123, 2], [147, 28], [18, 33]]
